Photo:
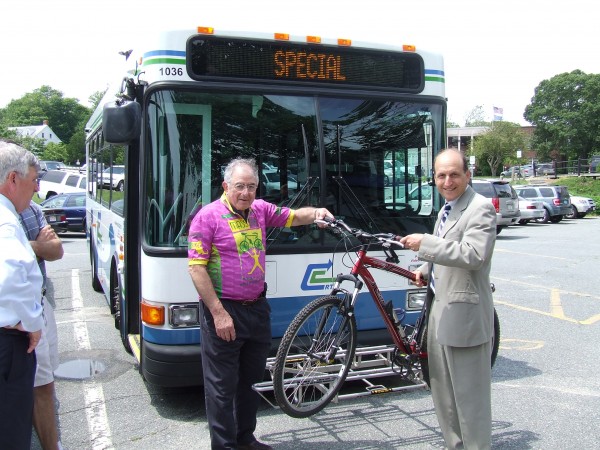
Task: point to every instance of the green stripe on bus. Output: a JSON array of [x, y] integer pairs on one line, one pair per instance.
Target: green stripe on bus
[[164, 61], [438, 79]]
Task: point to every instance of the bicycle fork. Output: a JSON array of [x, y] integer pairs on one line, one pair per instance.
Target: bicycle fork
[[346, 310]]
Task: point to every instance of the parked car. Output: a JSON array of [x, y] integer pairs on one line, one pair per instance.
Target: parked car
[[113, 178], [503, 197], [519, 171], [56, 182], [530, 210], [544, 169], [65, 212], [555, 198], [52, 165], [580, 207]]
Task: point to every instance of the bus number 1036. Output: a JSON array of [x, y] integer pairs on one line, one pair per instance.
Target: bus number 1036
[[171, 71]]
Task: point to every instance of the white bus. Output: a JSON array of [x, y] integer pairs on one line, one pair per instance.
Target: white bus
[[331, 122]]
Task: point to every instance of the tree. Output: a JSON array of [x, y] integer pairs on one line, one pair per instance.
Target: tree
[[476, 118], [566, 113], [499, 144], [76, 148], [65, 115], [95, 98]]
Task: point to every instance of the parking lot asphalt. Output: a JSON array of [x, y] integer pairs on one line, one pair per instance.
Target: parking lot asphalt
[[545, 387]]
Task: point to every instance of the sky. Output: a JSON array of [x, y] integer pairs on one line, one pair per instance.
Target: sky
[[495, 52]]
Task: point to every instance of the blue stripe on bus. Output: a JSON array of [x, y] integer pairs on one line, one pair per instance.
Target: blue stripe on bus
[[185, 336], [434, 72], [164, 52]]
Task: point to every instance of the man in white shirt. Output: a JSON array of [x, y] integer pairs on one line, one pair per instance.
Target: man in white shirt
[[47, 246], [21, 281]]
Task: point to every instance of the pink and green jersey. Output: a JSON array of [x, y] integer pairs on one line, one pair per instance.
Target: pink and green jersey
[[233, 248]]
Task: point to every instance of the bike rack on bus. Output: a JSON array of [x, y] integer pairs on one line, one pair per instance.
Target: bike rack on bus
[[369, 363]]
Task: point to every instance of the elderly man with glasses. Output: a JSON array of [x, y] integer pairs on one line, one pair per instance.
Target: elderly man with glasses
[[227, 242]]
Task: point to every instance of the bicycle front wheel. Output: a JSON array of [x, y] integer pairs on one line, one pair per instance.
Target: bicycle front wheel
[[314, 357]]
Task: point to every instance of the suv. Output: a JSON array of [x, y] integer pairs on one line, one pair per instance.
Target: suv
[[557, 203], [581, 206], [113, 178], [503, 197], [544, 169], [60, 181]]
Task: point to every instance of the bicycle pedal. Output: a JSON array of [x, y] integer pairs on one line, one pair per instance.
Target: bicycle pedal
[[378, 389]]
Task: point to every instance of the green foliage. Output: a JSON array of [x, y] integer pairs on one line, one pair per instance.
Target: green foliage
[[65, 115], [476, 118], [55, 152], [95, 98], [76, 148], [498, 145], [34, 145], [566, 112]]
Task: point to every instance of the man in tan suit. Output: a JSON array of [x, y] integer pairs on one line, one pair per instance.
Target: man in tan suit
[[458, 258]]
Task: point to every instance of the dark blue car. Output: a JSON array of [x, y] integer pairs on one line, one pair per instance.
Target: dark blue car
[[65, 212]]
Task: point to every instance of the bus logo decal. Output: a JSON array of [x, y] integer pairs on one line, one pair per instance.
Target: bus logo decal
[[315, 277]]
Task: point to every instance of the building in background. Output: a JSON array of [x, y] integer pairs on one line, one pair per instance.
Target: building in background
[[43, 132]]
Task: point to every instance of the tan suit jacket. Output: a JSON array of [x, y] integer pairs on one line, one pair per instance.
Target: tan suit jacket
[[462, 255]]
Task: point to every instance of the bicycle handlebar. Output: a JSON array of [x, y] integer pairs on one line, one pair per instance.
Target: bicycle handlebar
[[384, 238]]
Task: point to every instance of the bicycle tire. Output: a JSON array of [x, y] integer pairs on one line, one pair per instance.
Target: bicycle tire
[[302, 382], [496, 343], [423, 346]]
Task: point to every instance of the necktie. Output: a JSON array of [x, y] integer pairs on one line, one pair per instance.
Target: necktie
[[447, 208]]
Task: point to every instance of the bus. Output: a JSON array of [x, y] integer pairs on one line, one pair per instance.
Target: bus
[[351, 126]]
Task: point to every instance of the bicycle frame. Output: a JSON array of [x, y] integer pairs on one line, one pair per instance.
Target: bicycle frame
[[360, 270]]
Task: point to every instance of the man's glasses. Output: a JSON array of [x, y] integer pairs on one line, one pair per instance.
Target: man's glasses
[[241, 187]]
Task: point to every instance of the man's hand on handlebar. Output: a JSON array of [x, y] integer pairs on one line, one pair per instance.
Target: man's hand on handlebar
[[412, 241]]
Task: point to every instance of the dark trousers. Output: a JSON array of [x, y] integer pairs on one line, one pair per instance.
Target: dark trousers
[[17, 371], [231, 368]]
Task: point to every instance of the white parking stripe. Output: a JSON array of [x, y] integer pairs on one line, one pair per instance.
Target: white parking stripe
[[100, 435]]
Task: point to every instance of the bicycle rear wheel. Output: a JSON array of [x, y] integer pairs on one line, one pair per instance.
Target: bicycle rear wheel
[[305, 377]]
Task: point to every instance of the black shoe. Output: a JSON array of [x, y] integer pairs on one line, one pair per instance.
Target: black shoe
[[256, 445]]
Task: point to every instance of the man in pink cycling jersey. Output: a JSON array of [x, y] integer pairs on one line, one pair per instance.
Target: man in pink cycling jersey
[[227, 265]]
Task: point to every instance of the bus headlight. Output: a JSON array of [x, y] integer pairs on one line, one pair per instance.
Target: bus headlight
[[415, 299], [183, 315]]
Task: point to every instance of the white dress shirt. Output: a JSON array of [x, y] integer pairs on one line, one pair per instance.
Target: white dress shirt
[[20, 276]]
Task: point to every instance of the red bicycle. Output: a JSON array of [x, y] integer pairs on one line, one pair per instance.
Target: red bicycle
[[318, 348]]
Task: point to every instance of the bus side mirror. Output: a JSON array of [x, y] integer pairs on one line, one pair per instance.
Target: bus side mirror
[[121, 123]]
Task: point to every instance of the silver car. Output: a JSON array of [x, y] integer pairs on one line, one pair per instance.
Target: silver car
[[530, 210]]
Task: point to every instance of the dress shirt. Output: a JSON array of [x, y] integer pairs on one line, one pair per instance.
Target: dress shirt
[[20, 276]]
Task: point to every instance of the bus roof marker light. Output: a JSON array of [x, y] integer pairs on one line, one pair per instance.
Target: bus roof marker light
[[206, 30], [344, 42], [409, 48], [313, 39], [282, 36]]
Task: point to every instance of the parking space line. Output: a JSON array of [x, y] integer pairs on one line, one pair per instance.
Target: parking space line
[[556, 309], [544, 287], [100, 434], [536, 311], [501, 250]]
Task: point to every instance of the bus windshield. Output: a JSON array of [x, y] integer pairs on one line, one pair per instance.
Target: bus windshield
[[368, 160]]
